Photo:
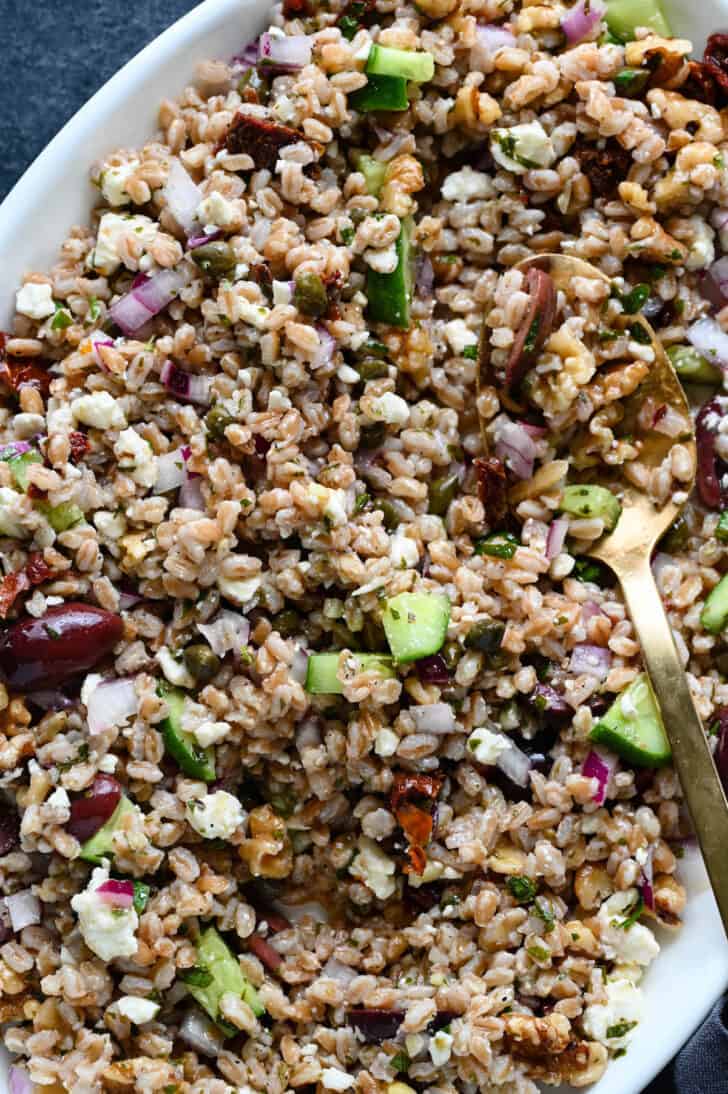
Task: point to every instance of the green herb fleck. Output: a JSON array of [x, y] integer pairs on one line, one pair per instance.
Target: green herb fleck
[[61, 319], [522, 889], [619, 1029], [471, 352], [400, 1062]]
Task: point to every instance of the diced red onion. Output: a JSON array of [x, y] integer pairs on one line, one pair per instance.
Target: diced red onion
[[299, 666], [516, 448], [424, 276], [670, 422], [187, 386], [89, 812], [99, 338], [111, 704], [190, 494], [198, 241], [491, 38], [19, 1081], [200, 1033], [714, 282], [533, 430], [599, 765], [515, 765], [556, 537], [592, 660], [711, 340], [287, 53], [249, 56], [183, 197], [327, 347], [171, 471], [433, 670], [646, 886], [227, 631], [589, 609], [129, 597], [130, 314], [434, 718], [120, 894], [149, 297], [23, 909], [547, 700], [582, 20], [14, 448], [719, 219]]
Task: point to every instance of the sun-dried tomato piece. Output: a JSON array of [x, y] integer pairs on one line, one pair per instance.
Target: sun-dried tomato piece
[[17, 372], [416, 823], [604, 167], [259, 138], [417, 860], [406, 787], [491, 474], [35, 572], [700, 84], [80, 445], [715, 59]]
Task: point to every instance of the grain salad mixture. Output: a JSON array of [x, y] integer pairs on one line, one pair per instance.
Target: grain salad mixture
[[327, 758]]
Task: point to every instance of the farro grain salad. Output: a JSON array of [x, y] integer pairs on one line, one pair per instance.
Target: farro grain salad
[[328, 762]]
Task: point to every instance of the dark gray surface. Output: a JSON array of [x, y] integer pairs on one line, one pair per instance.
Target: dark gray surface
[[56, 55]]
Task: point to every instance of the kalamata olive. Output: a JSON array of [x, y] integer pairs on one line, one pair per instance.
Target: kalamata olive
[[547, 701], [710, 466], [201, 662], [375, 1025], [433, 670], [90, 812], [9, 827], [535, 328], [65, 642], [721, 751]]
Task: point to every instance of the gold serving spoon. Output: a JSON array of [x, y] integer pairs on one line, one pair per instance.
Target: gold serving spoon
[[628, 551]]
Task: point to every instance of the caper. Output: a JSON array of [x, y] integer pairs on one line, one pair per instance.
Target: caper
[[372, 368], [372, 436], [201, 662], [632, 81], [390, 514], [217, 420], [372, 348], [216, 259], [451, 653], [287, 623], [486, 636], [442, 492], [310, 295]]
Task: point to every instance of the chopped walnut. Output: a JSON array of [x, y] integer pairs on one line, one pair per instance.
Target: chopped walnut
[[534, 1037], [475, 110], [403, 177], [267, 852]]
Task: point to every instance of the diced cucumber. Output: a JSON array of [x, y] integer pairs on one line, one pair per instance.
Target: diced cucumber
[[321, 674], [373, 171], [101, 844], [624, 16], [380, 93], [389, 295], [632, 727], [195, 761], [497, 545], [216, 958], [692, 367], [19, 465], [416, 624], [721, 530], [592, 501], [715, 610], [60, 517], [385, 61]]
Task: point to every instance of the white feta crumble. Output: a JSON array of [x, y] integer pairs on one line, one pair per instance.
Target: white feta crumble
[[374, 868], [254, 314], [173, 669], [487, 747], [386, 743], [216, 816], [702, 249], [111, 525], [440, 1048], [332, 1078], [347, 374], [99, 409], [113, 182], [241, 591], [522, 148], [108, 763], [215, 209], [332, 504], [108, 930], [90, 683], [433, 871], [113, 228], [635, 944], [460, 336], [383, 260], [466, 184], [613, 1023], [282, 294], [136, 457], [403, 551], [59, 799], [35, 301], [208, 733], [136, 1009], [389, 408], [10, 522]]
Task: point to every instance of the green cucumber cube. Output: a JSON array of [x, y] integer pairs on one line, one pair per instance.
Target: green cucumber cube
[[214, 955], [633, 728], [416, 624], [592, 501], [321, 674]]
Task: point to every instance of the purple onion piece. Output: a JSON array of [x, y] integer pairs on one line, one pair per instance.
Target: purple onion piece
[[547, 701], [433, 670]]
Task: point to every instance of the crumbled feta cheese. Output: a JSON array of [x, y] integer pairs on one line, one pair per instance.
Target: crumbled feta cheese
[[487, 747], [466, 184], [215, 816], [285, 108], [613, 1023], [111, 525], [136, 457], [347, 374], [383, 260], [113, 182], [59, 416], [35, 301], [637, 943], [136, 1009], [209, 733], [386, 743], [404, 551], [440, 1048], [389, 408], [374, 868], [330, 503], [217, 210], [10, 522], [59, 799], [99, 409], [108, 763], [334, 1079], [173, 669], [522, 148], [107, 930], [282, 293], [702, 248], [113, 229], [254, 314], [459, 335], [241, 591]]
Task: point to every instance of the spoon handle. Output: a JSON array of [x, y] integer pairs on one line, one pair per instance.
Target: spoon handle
[[691, 752]]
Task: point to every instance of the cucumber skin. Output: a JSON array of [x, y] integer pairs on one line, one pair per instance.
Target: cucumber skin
[[216, 956], [175, 741], [99, 846], [389, 296], [384, 93], [614, 738], [321, 680], [715, 610], [622, 22], [588, 500], [408, 65], [403, 650]]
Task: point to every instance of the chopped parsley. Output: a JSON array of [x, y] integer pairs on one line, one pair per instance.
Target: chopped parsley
[[633, 913], [619, 1029], [522, 889], [400, 1062], [61, 319], [471, 352]]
